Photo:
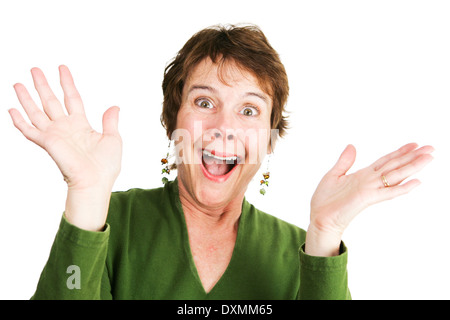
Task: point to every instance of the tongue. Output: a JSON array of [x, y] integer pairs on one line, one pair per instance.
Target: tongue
[[217, 169]]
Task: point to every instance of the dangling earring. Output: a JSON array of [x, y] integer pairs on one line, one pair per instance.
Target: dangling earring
[[165, 163], [266, 175]]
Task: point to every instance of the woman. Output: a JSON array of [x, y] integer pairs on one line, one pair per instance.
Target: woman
[[197, 237]]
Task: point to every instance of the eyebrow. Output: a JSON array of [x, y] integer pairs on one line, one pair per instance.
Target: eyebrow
[[201, 87], [258, 95], [247, 94]]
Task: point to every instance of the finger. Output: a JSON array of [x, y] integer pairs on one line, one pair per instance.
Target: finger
[[72, 98], [28, 131], [38, 118], [52, 106], [409, 157], [403, 150], [345, 162], [397, 176], [111, 121], [396, 191]]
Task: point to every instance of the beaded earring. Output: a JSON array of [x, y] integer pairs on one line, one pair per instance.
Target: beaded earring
[[165, 164], [266, 175]]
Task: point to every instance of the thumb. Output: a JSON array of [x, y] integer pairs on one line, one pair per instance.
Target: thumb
[[111, 121], [345, 162]]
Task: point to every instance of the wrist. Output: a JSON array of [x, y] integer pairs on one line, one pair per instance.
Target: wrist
[[323, 243], [88, 208], [91, 182]]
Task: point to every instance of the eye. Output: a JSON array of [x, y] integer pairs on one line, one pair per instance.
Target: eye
[[204, 103], [250, 111]]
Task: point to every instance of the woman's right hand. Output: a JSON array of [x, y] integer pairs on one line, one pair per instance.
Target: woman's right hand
[[89, 161]]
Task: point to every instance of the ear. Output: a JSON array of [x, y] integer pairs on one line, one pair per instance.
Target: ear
[[270, 147], [272, 141]]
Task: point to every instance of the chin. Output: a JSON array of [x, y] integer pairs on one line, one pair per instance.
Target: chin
[[218, 190]]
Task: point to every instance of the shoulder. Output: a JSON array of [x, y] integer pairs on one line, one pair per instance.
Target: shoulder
[[269, 226], [144, 198], [136, 196], [139, 206]]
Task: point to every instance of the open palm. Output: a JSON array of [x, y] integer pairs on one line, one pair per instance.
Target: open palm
[[83, 155], [341, 196]]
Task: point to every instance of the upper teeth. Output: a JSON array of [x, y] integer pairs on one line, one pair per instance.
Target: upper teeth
[[209, 154]]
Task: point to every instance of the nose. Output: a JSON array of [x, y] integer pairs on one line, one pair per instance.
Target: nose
[[224, 125], [217, 135]]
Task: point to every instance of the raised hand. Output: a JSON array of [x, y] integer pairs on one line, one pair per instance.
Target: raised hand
[[88, 160], [340, 197]]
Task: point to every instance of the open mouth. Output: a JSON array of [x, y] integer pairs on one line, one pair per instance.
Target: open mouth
[[217, 166]]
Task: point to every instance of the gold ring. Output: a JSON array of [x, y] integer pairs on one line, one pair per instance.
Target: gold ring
[[385, 182]]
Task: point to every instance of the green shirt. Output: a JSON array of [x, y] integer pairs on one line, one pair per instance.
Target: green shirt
[[144, 253]]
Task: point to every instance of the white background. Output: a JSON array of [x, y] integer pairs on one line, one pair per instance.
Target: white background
[[372, 73]]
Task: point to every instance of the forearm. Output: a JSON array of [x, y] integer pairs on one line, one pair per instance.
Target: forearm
[[87, 209], [324, 278], [322, 243], [75, 265]]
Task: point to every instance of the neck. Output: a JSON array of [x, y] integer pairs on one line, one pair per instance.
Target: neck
[[208, 218]]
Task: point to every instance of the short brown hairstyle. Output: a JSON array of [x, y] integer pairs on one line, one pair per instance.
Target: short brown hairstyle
[[245, 45]]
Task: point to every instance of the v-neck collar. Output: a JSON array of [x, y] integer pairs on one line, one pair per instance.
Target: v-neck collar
[[187, 247]]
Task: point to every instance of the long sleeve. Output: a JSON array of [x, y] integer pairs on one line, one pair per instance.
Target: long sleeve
[[324, 278], [75, 265], [144, 253]]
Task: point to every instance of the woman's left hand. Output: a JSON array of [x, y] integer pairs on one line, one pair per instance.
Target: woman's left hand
[[340, 197]]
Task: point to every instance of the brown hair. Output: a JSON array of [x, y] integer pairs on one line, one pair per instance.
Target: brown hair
[[245, 45]]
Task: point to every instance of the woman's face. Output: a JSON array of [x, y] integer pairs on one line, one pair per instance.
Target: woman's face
[[222, 132]]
